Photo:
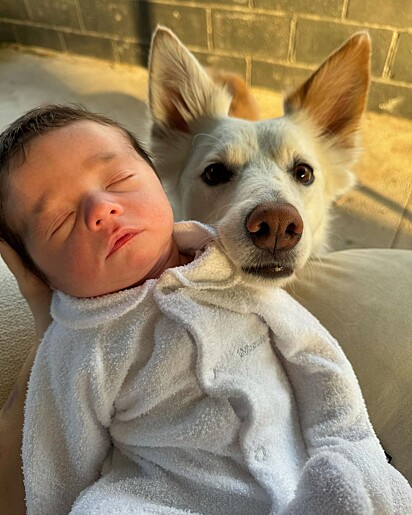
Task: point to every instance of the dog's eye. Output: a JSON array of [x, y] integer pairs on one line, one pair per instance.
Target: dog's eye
[[215, 174], [303, 173]]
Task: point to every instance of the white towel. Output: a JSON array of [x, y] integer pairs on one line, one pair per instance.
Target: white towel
[[219, 397]]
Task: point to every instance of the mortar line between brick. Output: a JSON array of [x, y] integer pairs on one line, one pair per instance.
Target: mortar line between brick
[[62, 40], [381, 80], [115, 50], [28, 8], [249, 65], [292, 40], [80, 16], [209, 29], [345, 8], [386, 73]]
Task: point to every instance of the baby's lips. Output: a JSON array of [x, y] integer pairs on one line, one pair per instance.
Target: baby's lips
[[120, 239]]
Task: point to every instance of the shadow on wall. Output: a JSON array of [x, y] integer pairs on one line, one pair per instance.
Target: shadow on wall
[[144, 27], [380, 199], [353, 228]]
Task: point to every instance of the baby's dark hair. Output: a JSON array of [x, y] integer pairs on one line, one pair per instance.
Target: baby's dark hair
[[29, 126]]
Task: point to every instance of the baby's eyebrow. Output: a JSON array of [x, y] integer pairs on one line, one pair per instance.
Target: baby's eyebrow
[[95, 159], [34, 216], [40, 206], [38, 213]]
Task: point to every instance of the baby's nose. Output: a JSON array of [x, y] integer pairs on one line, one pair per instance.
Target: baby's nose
[[100, 212]]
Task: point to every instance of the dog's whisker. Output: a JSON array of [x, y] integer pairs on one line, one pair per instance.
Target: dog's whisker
[[215, 144], [225, 208]]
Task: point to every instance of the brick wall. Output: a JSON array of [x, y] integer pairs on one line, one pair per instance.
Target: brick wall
[[273, 43]]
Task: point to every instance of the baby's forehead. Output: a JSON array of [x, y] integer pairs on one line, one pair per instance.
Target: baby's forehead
[[90, 129], [74, 139], [78, 145]]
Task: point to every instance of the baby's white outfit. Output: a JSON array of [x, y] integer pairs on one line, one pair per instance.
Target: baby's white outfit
[[199, 393]]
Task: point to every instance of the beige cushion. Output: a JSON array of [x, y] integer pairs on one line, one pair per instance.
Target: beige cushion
[[362, 296]]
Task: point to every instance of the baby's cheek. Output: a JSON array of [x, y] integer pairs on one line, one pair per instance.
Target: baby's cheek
[[75, 276]]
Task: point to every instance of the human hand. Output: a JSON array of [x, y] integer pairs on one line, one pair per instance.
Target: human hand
[[38, 296], [33, 289]]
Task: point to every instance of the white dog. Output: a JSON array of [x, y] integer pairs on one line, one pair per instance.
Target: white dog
[[268, 185]]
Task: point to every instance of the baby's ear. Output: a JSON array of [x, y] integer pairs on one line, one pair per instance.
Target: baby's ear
[[335, 95]]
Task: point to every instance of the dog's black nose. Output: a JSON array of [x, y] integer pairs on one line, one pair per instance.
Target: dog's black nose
[[273, 226]]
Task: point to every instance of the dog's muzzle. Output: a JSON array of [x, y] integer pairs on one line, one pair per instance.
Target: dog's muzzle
[[275, 228]]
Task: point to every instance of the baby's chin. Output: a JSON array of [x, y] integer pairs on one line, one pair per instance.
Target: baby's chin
[[106, 281], [88, 291]]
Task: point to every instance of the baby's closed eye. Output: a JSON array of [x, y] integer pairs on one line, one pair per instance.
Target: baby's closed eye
[[63, 222], [122, 182]]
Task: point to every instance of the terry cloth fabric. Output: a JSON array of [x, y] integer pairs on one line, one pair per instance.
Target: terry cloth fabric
[[199, 393]]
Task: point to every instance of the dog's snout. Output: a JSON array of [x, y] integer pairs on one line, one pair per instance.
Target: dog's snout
[[273, 226]]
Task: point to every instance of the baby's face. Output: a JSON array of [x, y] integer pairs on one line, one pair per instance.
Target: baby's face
[[92, 213]]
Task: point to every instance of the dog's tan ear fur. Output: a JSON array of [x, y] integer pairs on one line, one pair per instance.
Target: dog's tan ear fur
[[180, 88], [335, 95], [243, 104]]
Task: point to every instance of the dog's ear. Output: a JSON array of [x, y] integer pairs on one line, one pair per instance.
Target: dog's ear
[[335, 95], [243, 104], [180, 89]]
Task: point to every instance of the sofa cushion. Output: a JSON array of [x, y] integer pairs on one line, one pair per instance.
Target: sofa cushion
[[364, 298]]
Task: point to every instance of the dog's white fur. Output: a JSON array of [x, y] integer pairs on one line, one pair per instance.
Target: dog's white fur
[[192, 130]]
